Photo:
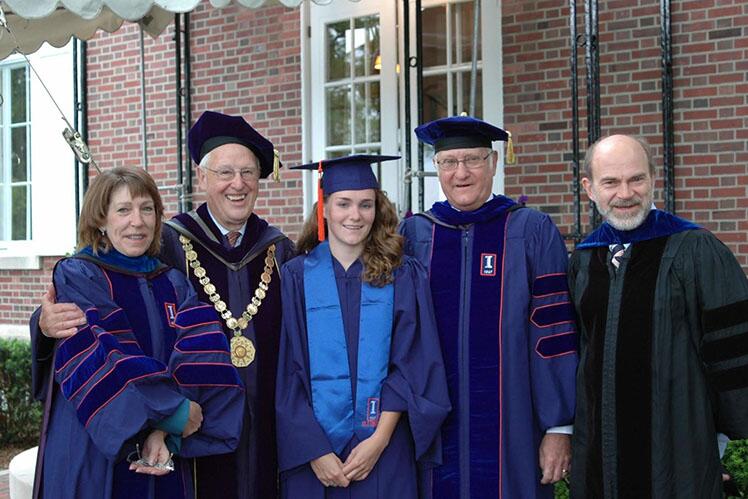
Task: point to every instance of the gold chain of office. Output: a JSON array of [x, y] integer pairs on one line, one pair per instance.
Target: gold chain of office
[[242, 348]]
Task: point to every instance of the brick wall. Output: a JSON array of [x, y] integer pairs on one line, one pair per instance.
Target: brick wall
[[710, 59], [248, 62], [244, 62]]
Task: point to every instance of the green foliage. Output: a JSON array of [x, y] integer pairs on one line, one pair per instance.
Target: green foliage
[[20, 414], [736, 462], [561, 490]]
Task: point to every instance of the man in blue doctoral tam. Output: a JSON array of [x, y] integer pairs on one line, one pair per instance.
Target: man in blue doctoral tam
[[663, 317], [498, 282], [232, 257]]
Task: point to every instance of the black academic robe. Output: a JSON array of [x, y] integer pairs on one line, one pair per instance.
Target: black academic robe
[[251, 471], [663, 364]]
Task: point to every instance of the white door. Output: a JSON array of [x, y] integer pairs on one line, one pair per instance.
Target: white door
[[353, 84], [447, 44]]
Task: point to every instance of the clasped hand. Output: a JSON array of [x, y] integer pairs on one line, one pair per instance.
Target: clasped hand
[[155, 458], [332, 472]]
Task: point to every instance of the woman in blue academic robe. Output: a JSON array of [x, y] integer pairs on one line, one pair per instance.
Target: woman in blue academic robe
[[148, 381], [361, 390]]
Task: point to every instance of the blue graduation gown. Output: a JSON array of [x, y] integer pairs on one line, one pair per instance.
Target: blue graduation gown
[[498, 282], [148, 346], [251, 472], [415, 385]]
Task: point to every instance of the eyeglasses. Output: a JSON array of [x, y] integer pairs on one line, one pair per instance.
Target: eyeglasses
[[228, 174], [470, 162]]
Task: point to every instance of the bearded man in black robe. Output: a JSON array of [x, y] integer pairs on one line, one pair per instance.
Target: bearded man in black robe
[[663, 313]]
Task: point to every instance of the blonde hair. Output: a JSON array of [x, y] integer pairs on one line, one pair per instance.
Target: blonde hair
[[383, 248], [99, 196]]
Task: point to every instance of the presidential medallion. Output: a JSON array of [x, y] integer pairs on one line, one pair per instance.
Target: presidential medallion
[[242, 351]]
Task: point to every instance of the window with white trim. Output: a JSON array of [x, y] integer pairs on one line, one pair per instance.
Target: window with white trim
[[37, 171], [354, 81], [15, 173]]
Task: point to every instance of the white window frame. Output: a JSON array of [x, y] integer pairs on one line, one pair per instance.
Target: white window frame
[[6, 171], [314, 18], [393, 123], [52, 196], [491, 86]]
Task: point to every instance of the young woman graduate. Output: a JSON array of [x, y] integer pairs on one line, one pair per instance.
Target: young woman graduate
[[361, 391], [148, 375]]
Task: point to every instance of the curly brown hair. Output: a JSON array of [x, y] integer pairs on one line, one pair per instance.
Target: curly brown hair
[[383, 248], [96, 205]]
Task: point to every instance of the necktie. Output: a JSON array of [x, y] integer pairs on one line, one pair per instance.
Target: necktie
[[232, 236], [616, 254]]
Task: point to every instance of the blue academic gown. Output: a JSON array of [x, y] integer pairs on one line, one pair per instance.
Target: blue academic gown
[[415, 385], [148, 346], [498, 282], [251, 471]]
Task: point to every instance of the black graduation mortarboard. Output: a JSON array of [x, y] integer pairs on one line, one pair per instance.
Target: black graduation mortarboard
[[462, 132], [214, 129], [349, 173]]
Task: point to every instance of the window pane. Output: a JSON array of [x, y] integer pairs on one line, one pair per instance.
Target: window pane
[[4, 205], [366, 100], [463, 104], [338, 115], [18, 154], [365, 45], [18, 95], [434, 21], [337, 154], [367, 150], [338, 50], [373, 107], [434, 97], [18, 222], [462, 33]]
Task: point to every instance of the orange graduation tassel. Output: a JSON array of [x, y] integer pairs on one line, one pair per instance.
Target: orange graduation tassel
[[320, 206]]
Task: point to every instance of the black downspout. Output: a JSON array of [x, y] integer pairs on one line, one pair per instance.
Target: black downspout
[[180, 123], [76, 123], [84, 106], [419, 90], [593, 84], [187, 108], [668, 138], [576, 235], [408, 125]]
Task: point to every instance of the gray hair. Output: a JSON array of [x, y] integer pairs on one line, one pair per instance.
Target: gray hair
[[589, 156], [205, 161]]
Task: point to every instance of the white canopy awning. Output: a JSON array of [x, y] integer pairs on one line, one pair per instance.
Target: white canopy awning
[[34, 22]]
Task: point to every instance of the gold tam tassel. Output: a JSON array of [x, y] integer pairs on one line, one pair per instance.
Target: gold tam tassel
[[276, 165], [510, 157]]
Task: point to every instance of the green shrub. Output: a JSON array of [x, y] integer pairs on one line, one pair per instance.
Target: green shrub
[[561, 490], [736, 462], [20, 414]]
